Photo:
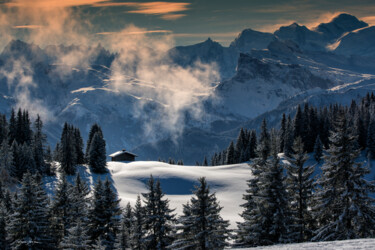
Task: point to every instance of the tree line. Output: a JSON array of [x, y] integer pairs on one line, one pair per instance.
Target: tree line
[[23, 148], [313, 126], [76, 218]]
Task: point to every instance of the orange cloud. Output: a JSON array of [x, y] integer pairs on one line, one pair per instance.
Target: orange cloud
[[166, 10], [172, 16], [138, 32], [30, 26], [52, 3], [369, 19]]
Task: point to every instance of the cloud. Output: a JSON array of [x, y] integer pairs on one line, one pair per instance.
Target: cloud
[[166, 10], [273, 27], [326, 17], [368, 19], [30, 26], [138, 32], [166, 92], [19, 78], [49, 4]]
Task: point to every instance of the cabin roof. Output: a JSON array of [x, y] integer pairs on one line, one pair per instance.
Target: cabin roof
[[122, 152]]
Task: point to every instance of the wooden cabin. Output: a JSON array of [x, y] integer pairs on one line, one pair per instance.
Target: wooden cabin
[[122, 155]]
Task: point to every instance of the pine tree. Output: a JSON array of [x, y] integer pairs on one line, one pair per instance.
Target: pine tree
[[123, 238], [79, 146], [28, 228], [288, 140], [61, 210], [204, 228], [12, 128], [298, 123], [371, 140], [205, 163], [97, 154], [230, 154], [67, 153], [249, 232], [39, 145], [6, 164], [95, 128], [300, 187], [79, 193], [3, 223], [159, 219], [76, 238], [138, 231], [273, 203], [252, 144], [318, 149], [344, 208], [264, 147], [104, 215], [283, 128]]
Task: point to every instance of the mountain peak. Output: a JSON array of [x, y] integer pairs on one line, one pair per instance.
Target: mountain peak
[[250, 39], [339, 25]]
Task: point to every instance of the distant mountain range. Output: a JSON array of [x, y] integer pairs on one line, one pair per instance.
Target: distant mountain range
[[262, 75]]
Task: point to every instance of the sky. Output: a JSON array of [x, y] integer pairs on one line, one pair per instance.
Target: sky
[[189, 22]]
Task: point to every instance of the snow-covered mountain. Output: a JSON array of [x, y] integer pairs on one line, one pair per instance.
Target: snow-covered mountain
[[277, 72], [260, 85], [250, 39], [348, 44]]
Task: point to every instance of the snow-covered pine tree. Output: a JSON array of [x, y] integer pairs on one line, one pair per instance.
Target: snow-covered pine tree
[[344, 208], [264, 147], [123, 237], [95, 128], [28, 227], [3, 223], [165, 219], [6, 164], [249, 231], [79, 193], [138, 231], [300, 186], [104, 215], [76, 238], [272, 201], [208, 229], [61, 210], [26, 162], [318, 149], [97, 154], [67, 153], [150, 215]]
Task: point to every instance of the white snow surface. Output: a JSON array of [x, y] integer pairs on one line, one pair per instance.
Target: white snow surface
[[228, 182], [336, 245], [177, 182]]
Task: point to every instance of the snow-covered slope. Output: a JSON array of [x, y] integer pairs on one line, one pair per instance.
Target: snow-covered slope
[[348, 44], [130, 179], [360, 244]]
